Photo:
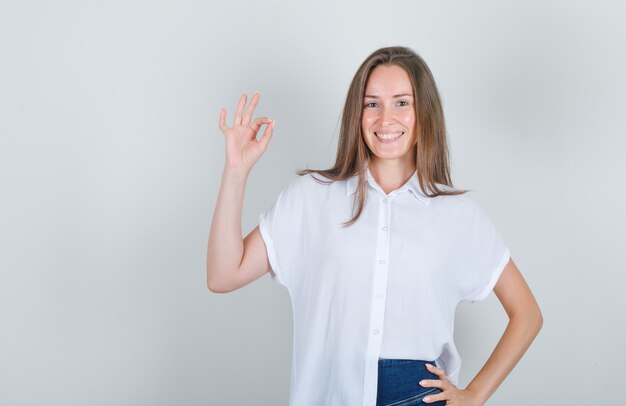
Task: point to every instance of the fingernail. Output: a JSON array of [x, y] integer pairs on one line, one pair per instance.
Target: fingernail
[[426, 399], [421, 383]]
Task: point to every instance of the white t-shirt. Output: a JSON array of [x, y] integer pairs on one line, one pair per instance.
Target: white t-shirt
[[385, 287]]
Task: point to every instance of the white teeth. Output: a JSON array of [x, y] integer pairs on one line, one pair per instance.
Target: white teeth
[[390, 136]]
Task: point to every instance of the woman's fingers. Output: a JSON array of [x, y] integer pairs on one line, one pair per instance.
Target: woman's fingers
[[222, 124], [239, 111], [267, 135], [243, 115], [432, 383], [442, 383], [437, 371], [435, 398], [258, 122], [250, 110]]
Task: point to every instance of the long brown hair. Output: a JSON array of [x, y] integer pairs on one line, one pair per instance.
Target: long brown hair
[[432, 158]]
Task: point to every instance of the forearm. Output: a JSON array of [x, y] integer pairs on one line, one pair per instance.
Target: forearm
[[225, 246], [517, 337]]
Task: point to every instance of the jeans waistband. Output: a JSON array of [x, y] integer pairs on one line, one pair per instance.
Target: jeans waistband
[[386, 363]]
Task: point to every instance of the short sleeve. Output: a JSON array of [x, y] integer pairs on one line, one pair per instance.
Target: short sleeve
[[279, 227], [486, 254]]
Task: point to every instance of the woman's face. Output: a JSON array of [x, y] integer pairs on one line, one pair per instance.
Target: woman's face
[[388, 122]]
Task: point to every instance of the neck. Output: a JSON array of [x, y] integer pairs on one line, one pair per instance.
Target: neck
[[391, 174]]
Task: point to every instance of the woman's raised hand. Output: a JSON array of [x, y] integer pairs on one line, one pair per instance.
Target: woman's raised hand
[[242, 147]]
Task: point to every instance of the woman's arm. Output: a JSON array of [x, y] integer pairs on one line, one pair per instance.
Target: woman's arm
[[231, 261], [525, 321]]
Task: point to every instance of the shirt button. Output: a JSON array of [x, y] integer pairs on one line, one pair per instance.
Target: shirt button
[[381, 261], [375, 331], [385, 228], [379, 296], [385, 200]]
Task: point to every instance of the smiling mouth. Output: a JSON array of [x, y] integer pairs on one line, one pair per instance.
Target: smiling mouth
[[389, 136]]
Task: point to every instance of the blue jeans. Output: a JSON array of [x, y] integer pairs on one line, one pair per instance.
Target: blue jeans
[[398, 383]]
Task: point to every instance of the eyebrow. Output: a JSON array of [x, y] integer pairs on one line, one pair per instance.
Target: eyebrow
[[395, 96]]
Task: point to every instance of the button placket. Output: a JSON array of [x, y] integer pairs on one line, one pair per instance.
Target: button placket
[[377, 306]]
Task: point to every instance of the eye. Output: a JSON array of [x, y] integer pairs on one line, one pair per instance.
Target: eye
[[371, 105], [403, 103]]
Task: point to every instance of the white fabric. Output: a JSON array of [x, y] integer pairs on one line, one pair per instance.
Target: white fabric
[[385, 287]]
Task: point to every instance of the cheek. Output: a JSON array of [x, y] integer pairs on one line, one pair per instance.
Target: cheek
[[409, 119], [366, 121]]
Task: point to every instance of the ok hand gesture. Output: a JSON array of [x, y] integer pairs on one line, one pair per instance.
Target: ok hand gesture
[[242, 147]]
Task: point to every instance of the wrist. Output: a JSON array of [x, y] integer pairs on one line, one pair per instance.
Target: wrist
[[476, 397], [235, 172]]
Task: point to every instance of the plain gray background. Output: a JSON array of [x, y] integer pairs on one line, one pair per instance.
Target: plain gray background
[[110, 163]]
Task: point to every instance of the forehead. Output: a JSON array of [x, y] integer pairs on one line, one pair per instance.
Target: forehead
[[388, 80]]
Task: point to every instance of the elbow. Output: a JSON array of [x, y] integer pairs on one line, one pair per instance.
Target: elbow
[[536, 317], [539, 320], [215, 285], [218, 285], [534, 321], [215, 288], [530, 318]]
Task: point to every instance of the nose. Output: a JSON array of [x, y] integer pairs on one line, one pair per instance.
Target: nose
[[386, 115]]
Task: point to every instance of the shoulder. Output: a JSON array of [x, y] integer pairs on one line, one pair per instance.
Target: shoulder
[[462, 204], [311, 186], [465, 213], [303, 183], [314, 182]]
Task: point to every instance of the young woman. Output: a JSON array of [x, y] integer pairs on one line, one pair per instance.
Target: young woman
[[376, 252]]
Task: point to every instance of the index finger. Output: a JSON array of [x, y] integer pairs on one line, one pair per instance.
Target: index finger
[[436, 371]]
